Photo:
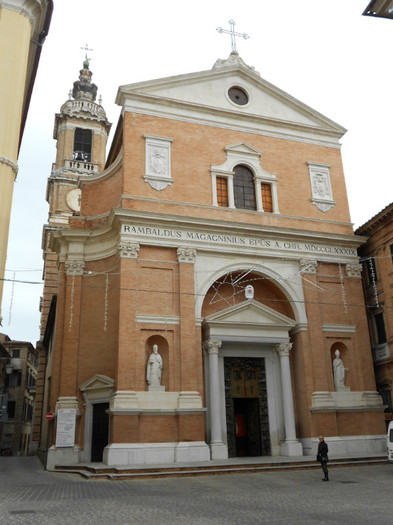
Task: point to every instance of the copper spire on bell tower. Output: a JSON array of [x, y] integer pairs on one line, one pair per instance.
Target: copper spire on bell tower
[[83, 88]]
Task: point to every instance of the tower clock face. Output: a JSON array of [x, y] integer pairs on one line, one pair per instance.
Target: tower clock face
[[73, 199]]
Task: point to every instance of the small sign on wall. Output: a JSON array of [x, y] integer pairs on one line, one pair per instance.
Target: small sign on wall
[[65, 432]]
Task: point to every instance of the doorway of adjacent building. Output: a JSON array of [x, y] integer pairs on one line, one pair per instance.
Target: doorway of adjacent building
[[100, 430], [246, 407]]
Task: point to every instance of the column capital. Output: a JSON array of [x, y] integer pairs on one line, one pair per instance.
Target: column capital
[[75, 267], [308, 265], [186, 255], [212, 347], [283, 349], [353, 270], [128, 249]]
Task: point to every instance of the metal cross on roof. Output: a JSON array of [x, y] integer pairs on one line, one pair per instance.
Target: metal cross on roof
[[86, 48], [232, 33]]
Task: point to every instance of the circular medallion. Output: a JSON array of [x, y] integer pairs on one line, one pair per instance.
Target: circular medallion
[[73, 199]]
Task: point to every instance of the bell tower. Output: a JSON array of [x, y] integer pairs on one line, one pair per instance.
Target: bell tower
[[81, 132]]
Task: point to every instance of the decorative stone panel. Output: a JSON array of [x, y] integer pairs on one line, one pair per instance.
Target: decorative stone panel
[[158, 162], [320, 186]]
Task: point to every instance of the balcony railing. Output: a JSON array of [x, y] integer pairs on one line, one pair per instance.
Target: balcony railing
[[81, 165]]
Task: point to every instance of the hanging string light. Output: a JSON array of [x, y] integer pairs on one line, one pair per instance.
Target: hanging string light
[[72, 303], [373, 280], [106, 302], [344, 297], [11, 299]]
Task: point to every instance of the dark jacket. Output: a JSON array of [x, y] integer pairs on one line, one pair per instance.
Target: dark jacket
[[322, 451]]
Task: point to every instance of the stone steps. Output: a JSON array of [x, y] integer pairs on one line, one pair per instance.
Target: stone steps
[[140, 472]]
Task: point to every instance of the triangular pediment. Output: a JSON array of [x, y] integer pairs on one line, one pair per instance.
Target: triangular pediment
[[97, 382], [204, 96], [248, 319], [251, 312], [244, 149]]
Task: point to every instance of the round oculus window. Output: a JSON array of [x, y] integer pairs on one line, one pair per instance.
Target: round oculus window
[[238, 96]]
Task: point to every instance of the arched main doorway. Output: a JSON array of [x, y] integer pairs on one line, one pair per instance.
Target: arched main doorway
[[247, 344]]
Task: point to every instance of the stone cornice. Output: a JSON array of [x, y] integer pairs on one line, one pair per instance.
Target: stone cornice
[[156, 106], [31, 9], [11, 164], [123, 225]]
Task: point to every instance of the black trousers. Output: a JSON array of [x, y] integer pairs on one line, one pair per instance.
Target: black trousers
[[324, 468]]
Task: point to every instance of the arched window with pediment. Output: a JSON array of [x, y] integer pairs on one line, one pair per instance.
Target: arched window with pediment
[[244, 188]]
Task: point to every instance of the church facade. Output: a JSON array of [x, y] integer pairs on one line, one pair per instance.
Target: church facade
[[207, 278]]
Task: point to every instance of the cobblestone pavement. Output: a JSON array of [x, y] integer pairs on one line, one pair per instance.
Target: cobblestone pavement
[[357, 495]]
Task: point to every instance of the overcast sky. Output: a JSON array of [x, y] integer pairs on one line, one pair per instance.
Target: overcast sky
[[322, 52]]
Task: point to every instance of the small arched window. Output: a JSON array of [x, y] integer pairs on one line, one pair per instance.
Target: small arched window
[[244, 188]]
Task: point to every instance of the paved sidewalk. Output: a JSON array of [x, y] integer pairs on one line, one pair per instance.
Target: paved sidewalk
[[361, 495]]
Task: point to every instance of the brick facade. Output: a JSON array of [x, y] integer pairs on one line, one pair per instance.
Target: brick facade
[[150, 259]]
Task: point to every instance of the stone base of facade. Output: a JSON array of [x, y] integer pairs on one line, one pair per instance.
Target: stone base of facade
[[219, 451], [350, 446], [62, 456], [346, 400], [291, 449], [155, 453]]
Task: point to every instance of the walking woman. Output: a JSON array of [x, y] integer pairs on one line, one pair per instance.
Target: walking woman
[[322, 456]]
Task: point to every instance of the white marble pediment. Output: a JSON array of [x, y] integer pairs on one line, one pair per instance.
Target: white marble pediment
[[97, 382], [248, 319], [203, 94]]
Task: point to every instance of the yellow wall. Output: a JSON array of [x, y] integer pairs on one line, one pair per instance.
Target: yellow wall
[[15, 34]]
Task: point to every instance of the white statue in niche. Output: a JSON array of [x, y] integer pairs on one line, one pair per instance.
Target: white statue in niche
[[339, 373], [154, 370]]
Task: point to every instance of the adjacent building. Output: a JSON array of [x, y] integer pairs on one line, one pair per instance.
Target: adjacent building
[[203, 294], [24, 25], [377, 258], [19, 390]]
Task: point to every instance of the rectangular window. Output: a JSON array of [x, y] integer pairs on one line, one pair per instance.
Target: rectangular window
[[267, 201], [391, 251], [11, 409], [222, 191], [82, 144], [15, 378], [380, 326], [16, 353]]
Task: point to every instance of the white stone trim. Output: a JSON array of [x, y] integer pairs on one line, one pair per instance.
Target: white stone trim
[[158, 319], [340, 328]]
